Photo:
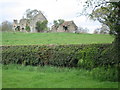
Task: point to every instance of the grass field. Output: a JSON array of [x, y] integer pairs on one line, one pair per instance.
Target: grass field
[[16, 76], [20, 38]]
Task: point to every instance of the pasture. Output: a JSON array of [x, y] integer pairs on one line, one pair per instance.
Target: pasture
[[21, 76], [20, 38], [17, 76]]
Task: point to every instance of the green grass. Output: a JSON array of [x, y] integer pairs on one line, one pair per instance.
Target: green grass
[[16, 76], [20, 38]]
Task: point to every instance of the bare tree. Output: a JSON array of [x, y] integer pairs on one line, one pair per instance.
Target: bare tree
[[104, 29], [6, 26]]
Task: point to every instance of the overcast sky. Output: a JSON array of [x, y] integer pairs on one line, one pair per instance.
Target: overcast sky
[[52, 9]]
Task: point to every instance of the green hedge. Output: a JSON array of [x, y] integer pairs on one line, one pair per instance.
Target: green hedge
[[85, 56]]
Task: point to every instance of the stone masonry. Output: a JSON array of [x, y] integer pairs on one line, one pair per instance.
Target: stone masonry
[[29, 22]]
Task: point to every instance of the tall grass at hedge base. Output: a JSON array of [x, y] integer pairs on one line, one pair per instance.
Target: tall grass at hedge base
[[105, 74]]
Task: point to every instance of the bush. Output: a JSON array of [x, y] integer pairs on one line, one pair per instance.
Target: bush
[[59, 55], [90, 56], [27, 28], [87, 60], [41, 26]]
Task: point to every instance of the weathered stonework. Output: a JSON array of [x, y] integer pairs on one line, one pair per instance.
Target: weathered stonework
[[29, 22], [67, 26]]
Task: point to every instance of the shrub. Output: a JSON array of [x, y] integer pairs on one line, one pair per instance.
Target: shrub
[[58, 55], [41, 26], [27, 28], [87, 60], [90, 56]]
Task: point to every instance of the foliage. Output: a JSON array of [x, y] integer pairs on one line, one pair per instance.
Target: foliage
[[57, 55], [55, 23], [27, 28], [104, 29], [41, 26], [108, 15], [58, 22], [61, 21], [6, 26], [94, 56], [17, 76], [88, 57]]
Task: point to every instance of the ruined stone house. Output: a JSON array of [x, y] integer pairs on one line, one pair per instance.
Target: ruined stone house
[[21, 25], [67, 26]]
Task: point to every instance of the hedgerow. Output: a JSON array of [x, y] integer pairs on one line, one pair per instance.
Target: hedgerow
[[86, 56]]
